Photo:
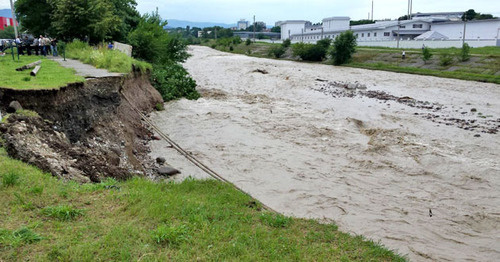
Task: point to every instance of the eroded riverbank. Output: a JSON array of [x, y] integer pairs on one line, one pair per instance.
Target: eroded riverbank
[[376, 167]]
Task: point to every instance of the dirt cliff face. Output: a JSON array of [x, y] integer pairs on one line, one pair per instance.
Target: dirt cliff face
[[85, 131]]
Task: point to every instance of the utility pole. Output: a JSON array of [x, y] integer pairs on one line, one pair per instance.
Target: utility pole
[[14, 18], [254, 25], [399, 26], [463, 36], [321, 32], [302, 35], [372, 10], [215, 30]]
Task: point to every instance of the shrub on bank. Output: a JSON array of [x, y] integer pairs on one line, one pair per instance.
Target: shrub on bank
[[343, 48], [173, 82], [309, 52], [277, 51]]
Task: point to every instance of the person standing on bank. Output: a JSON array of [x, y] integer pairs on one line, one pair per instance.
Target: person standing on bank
[[403, 55], [53, 46]]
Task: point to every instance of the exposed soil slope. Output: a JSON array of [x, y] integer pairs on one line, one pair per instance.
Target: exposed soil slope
[[85, 131]]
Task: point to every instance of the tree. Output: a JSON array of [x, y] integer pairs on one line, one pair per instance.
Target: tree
[[85, 18], [68, 19], [343, 48], [130, 18], [469, 15], [7, 33], [153, 44], [276, 29], [259, 27], [405, 17], [362, 22], [35, 15], [426, 54]]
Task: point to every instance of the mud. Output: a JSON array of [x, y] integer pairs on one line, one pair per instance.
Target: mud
[[373, 166], [85, 132]]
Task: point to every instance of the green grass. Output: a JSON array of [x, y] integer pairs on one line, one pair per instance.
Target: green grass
[[464, 74], [141, 220], [484, 51], [50, 76], [102, 57]]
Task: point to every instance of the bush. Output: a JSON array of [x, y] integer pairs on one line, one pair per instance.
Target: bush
[[231, 48], [248, 41], [236, 40], [309, 52], [343, 48], [277, 51], [173, 82], [464, 53], [286, 43], [325, 43], [426, 54], [445, 60]]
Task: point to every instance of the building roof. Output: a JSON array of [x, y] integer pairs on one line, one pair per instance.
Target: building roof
[[471, 21], [436, 13], [292, 22], [431, 35], [337, 18]]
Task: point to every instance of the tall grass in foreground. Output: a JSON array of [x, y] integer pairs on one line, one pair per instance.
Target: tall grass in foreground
[[41, 219], [102, 57]]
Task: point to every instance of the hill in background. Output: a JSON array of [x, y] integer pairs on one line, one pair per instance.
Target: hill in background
[[174, 23], [5, 13]]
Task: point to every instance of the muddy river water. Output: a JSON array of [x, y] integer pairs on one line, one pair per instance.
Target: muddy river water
[[410, 161]]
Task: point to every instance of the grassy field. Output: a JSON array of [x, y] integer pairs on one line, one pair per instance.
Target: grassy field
[[44, 219], [51, 74], [483, 66]]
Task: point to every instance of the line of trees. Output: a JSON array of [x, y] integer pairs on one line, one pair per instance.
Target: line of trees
[[92, 20]]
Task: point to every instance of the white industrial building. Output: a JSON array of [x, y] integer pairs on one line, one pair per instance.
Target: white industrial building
[[431, 29], [242, 24]]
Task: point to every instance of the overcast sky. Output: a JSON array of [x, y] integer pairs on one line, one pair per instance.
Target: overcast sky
[[270, 11]]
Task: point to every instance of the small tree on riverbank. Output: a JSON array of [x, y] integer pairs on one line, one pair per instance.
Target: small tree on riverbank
[[426, 54], [464, 53], [343, 48]]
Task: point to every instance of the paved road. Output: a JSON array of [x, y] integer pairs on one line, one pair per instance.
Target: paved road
[[82, 69]]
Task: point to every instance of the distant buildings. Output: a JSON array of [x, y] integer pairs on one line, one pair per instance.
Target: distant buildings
[[5, 22], [242, 24], [423, 26]]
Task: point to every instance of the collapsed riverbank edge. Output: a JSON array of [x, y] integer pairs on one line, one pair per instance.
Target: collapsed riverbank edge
[[85, 131]]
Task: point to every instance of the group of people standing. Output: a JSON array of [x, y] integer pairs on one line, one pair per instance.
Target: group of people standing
[[37, 46]]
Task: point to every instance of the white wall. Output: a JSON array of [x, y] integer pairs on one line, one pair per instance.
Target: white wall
[[474, 30], [429, 43], [335, 24], [288, 29]]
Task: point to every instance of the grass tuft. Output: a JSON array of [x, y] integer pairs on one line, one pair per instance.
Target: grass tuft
[[21, 236], [10, 179], [275, 220], [62, 213], [171, 235]]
